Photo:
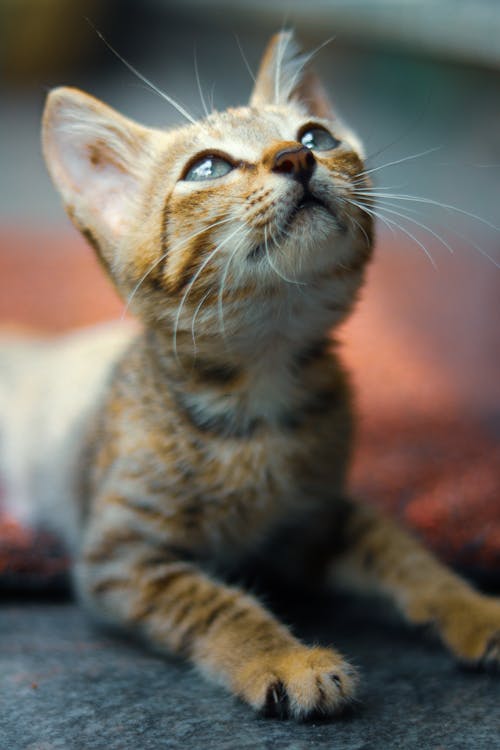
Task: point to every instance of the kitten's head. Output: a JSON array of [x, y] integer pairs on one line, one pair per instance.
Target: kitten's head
[[225, 217]]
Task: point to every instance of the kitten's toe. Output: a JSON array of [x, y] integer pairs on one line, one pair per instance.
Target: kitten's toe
[[299, 683], [471, 629], [490, 661]]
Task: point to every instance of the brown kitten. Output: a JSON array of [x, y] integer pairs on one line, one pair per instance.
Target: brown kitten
[[222, 430]]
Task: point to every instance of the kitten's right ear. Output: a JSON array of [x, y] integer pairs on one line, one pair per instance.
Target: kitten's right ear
[[285, 75], [96, 158]]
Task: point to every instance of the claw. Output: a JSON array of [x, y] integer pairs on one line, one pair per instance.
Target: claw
[[277, 704]]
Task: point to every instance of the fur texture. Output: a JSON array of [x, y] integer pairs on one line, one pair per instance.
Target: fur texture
[[221, 432]]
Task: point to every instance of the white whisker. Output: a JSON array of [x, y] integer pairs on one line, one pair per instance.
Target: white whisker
[[220, 298], [364, 208], [276, 271], [305, 59], [379, 202], [382, 206], [143, 78], [400, 161], [198, 83], [244, 58], [386, 220], [192, 283], [164, 257], [430, 202], [277, 75], [356, 222], [193, 320], [212, 98]]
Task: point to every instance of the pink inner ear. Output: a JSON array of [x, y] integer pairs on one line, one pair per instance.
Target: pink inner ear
[[310, 91], [93, 179], [284, 75]]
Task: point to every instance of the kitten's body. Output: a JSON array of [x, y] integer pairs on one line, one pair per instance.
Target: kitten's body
[[223, 429], [48, 392]]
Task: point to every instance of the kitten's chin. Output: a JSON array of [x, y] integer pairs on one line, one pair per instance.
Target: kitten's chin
[[309, 223], [313, 217]]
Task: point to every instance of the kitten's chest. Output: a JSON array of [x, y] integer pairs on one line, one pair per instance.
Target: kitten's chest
[[238, 492], [213, 484]]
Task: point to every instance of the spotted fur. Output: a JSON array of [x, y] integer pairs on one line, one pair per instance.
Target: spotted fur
[[222, 430]]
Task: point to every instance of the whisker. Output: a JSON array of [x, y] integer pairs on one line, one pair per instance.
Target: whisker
[[220, 298], [305, 59], [143, 78], [356, 222], [386, 220], [406, 132], [193, 321], [277, 244], [277, 75], [382, 203], [400, 161], [364, 208], [198, 83], [244, 58], [163, 257], [431, 202], [383, 206], [212, 98], [368, 188], [276, 271], [192, 283], [387, 203], [480, 250]]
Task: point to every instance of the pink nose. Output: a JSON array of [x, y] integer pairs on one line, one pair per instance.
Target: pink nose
[[298, 162]]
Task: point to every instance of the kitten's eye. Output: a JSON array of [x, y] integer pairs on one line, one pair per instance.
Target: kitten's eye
[[318, 139], [208, 168]]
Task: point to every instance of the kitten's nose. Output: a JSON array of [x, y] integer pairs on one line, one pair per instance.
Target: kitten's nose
[[297, 161]]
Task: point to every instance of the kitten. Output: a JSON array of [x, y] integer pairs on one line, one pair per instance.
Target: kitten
[[221, 431]]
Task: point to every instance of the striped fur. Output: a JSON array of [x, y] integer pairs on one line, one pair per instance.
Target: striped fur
[[224, 429]]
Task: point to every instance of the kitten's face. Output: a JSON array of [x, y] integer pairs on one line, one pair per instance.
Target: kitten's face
[[224, 217], [279, 181]]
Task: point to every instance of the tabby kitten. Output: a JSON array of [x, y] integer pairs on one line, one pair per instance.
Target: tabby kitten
[[221, 432]]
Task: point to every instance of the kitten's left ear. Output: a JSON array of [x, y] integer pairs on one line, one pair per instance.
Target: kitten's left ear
[[96, 158], [284, 75]]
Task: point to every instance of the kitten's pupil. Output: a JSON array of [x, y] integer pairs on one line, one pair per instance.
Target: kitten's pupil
[[318, 139], [208, 168]]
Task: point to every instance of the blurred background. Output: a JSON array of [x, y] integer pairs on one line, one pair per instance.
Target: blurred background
[[417, 79], [408, 76]]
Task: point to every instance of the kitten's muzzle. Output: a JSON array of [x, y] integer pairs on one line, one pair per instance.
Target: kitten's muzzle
[[308, 200], [299, 163]]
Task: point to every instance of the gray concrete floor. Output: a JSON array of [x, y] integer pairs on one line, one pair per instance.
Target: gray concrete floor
[[69, 686]]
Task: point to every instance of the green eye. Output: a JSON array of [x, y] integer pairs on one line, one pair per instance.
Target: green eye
[[318, 139], [208, 168]]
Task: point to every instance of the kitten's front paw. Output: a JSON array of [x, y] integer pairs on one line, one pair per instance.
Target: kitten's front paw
[[470, 627], [298, 682]]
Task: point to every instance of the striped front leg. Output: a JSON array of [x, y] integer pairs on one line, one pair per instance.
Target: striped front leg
[[380, 557], [226, 632]]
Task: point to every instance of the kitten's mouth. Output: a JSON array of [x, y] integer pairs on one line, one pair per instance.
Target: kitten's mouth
[[306, 204], [308, 201]]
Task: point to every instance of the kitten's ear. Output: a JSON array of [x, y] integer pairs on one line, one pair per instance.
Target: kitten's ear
[[284, 75], [95, 157]]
